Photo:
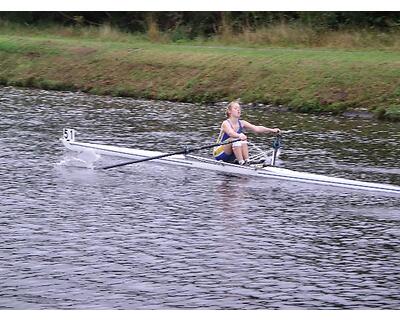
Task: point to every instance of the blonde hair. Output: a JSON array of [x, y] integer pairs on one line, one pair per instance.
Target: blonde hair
[[230, 106]]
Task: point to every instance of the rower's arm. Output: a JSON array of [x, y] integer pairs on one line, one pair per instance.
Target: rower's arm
[[228, 129], [258, 129]]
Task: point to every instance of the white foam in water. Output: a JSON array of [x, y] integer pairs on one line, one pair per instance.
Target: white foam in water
[[82, 160]]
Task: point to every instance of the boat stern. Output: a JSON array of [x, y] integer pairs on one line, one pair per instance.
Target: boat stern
[[68, 134]]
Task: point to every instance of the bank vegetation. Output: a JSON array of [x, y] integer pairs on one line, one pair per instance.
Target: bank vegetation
[[294, 66]]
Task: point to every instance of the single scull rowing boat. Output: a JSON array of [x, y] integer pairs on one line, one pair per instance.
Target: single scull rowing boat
[[186, 160]]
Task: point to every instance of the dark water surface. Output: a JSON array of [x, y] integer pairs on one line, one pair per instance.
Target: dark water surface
[[154, 237]]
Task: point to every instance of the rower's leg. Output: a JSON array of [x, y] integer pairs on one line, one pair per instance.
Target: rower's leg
[[228, 149], [245, 151], [238, 151]]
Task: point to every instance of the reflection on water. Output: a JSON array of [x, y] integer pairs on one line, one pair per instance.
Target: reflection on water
[[154, 237]]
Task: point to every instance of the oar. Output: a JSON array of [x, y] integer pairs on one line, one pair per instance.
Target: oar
[[276, 145], [164, 155]]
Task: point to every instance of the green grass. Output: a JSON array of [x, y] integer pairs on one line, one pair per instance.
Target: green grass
[[305, 80]]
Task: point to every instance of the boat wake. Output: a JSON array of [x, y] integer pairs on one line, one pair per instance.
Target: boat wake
[[365, 169]]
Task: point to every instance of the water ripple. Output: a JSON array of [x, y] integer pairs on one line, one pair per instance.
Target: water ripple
[[155, 237]]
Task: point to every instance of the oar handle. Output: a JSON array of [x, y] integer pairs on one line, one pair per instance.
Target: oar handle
[[276, 145]]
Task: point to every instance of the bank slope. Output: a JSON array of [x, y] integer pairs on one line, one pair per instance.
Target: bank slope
[[305, 80]]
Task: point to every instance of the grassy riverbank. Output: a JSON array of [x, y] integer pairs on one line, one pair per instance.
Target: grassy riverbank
[[305, 80]]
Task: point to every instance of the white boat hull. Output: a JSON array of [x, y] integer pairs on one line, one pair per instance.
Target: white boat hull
[[210, 164]]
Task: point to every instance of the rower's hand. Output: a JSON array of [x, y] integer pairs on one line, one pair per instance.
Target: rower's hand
[[242, 136], [277, 130]]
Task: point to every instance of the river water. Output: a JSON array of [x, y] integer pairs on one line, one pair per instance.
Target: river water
[[148, 236]]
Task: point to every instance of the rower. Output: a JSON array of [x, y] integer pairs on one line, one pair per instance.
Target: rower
[[234, 128]]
